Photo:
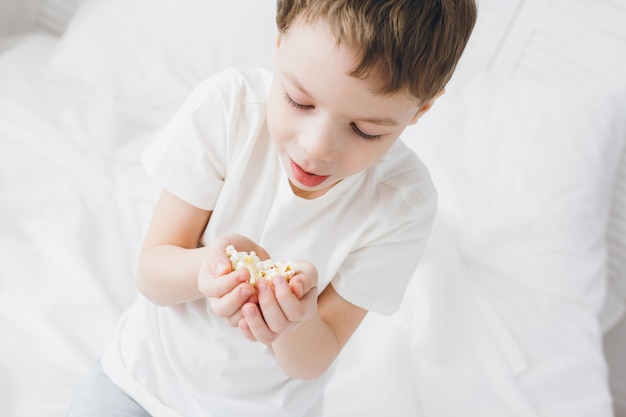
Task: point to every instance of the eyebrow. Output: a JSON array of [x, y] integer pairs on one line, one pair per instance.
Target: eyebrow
[[385, 121]]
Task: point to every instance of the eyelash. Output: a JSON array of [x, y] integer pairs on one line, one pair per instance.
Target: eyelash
[[363, 134], [354, 127], [294, 104]]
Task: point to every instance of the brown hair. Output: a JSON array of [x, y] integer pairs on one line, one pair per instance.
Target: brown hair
[[414, 45]]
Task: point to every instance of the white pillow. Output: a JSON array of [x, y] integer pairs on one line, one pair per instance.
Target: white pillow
[[526, 168], [153, 52]]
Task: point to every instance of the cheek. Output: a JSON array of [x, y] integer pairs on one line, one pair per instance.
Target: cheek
[[367, 154], [281, 124], [355, 158], [275, 117], [278, 130]]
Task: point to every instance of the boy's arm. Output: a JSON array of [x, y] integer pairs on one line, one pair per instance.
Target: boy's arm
[[308, 350], [170, 258]]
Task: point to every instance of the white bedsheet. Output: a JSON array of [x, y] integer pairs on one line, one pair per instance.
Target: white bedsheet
[[71, 221]]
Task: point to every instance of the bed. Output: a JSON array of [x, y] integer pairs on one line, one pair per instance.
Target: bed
[[517, 307]]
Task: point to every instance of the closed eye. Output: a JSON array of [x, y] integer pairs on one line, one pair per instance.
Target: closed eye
[[354, 127], [363, 134], [296, 104]]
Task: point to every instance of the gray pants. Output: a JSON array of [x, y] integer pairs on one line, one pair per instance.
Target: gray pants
[[100, 397]]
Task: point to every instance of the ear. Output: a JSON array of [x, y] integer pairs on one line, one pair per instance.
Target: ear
[[426, 106]]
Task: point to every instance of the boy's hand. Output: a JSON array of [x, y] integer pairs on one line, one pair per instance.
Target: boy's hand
[[227, 290], [264, 312], [281, 306]]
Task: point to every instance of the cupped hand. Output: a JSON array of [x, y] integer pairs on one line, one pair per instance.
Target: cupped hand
[[281, 306], [227, 290]]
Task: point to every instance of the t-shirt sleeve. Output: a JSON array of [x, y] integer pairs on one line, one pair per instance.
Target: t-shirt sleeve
[[376, 274], [189, 155]]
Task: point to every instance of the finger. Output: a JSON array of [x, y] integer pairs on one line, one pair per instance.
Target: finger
[[212, 286], [234, 319], [215, 257], [215, 264], [230, 303], [221, 267], [256, 324], [245, 329], [305, 280], [292, 307], [272, 313]]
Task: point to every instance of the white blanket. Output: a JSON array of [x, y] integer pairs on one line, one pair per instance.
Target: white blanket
[[71, 222]]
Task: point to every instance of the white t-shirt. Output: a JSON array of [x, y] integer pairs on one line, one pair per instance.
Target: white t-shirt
[[365, 236]]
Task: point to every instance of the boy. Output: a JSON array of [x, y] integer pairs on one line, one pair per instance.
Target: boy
[[302, 165]]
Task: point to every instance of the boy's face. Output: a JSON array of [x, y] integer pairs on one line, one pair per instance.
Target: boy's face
[[326, 124]]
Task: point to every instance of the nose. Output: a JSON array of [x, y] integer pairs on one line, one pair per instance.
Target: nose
[[319, 140]]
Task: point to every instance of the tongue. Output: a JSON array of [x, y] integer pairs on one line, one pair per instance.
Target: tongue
[[305, 178]]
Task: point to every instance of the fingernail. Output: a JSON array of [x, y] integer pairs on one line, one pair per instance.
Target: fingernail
[[249, 311], [261, 285], [278, 280], [245, 292], [222, 267], [300, 289]]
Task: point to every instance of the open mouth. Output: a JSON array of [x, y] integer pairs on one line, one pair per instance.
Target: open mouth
[[306, 178]]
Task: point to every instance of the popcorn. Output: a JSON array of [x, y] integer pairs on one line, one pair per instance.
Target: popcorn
[[260, 269]]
